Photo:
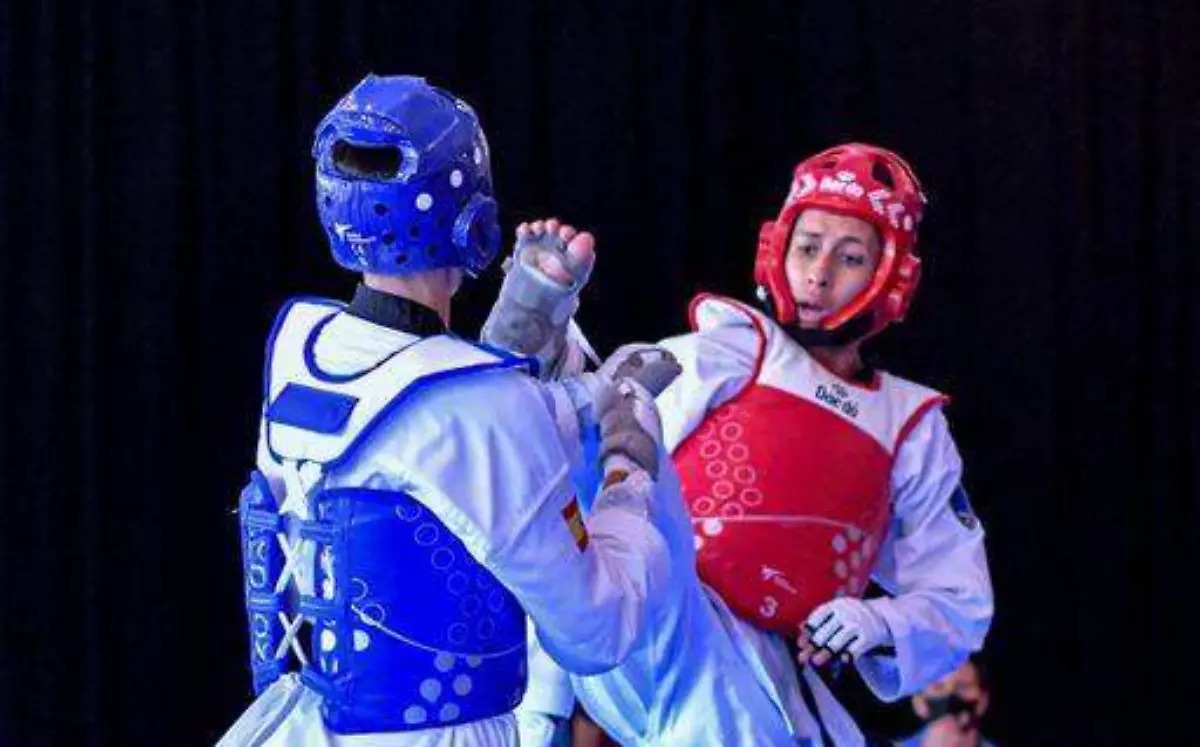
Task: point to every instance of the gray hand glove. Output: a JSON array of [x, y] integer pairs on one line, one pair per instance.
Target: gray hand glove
[[630, 430], [532, 312], [651, 366]]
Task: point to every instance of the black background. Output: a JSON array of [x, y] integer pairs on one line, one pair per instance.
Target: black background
[[156, 209]]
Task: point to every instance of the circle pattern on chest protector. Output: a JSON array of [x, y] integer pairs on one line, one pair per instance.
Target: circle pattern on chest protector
[[473, 612], [478, 595], [731, 491], [436, 693], [852, 548], [732, 487], [414, 715]]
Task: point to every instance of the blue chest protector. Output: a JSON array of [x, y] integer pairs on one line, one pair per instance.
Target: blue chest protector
[[387, 614]]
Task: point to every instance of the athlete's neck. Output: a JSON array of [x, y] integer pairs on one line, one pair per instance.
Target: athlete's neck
[[433, 288], [843, 360]]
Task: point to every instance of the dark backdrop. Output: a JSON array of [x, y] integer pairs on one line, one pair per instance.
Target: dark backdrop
[[156, 209]]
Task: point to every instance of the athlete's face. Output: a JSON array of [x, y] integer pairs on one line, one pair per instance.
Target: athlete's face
[[830, 260]]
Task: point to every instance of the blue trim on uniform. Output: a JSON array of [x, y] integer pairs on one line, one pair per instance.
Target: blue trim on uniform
[[280, 318], [418, 385], [310, 357], [506, 355], [586, 479], [311, 409]]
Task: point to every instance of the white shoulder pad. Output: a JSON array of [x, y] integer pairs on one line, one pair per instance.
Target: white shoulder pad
[[311, 415], [708, 311]]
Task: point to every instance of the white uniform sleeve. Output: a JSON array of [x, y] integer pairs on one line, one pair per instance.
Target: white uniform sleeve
[[717, 364], [593, 609], [934, 563], [496, 472]]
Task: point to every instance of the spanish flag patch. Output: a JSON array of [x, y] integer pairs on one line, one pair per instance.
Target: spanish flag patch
[[575, 523]]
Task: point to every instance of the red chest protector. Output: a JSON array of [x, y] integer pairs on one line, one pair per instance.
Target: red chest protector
[[789, 482]]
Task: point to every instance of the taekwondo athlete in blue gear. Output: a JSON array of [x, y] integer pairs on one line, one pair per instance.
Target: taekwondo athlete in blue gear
[[412, 500]]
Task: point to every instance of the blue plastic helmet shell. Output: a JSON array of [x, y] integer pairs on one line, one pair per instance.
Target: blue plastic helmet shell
[[404, 180]]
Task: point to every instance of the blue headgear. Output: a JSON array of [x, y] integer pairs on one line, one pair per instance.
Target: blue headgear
[[404, 181]]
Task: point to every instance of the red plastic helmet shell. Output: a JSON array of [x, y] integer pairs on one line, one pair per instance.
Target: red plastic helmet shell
[[865, 182]]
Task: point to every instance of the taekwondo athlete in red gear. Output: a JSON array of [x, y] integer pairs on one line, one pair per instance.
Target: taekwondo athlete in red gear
[[413, 489], [806, 473]]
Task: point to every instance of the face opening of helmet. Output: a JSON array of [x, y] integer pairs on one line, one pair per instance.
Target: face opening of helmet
[[379, 163], [830, 262]]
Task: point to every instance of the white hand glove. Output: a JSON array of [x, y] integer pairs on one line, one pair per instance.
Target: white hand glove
[[848, 626]]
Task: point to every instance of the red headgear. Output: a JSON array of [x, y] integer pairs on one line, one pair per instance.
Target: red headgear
[[864, 182]]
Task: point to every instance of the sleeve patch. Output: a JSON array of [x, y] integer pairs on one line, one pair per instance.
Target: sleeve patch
[[574, 521], [961, 505]]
